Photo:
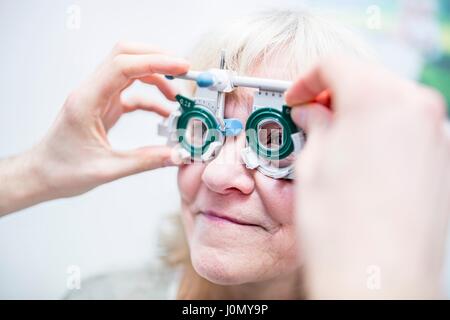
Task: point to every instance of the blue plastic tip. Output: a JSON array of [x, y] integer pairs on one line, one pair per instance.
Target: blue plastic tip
[[170, 77], [205, 80], [233, 127]]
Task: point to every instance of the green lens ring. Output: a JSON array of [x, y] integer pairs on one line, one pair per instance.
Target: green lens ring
[[200, 113], [284, 119]]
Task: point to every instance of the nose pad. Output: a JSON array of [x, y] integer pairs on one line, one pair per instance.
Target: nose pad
[[231, 132], [232, 128]]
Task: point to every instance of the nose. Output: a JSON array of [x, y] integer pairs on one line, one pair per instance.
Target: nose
[[226, 173]]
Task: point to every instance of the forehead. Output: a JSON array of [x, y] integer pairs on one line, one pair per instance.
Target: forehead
[[239, 103]]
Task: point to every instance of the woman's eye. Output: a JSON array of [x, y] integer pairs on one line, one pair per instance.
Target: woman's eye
[[270, 135], [196, 132], [274, 138]]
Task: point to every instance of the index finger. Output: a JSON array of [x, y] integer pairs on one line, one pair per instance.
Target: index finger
[[121, 71], [306, 89], [325, 77], [337, 76]]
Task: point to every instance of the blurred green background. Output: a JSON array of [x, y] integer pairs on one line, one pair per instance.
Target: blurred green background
[[412, 37], [436, 72]]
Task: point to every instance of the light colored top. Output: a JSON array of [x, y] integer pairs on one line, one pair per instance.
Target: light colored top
[[155, 283]]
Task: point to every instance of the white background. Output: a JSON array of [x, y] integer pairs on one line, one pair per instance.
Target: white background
[[114, 226]]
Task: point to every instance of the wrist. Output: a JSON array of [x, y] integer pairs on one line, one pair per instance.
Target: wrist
[[22, 183]]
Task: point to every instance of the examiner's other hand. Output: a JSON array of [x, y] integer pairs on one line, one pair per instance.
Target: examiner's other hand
[[374, 183], [75, 155]]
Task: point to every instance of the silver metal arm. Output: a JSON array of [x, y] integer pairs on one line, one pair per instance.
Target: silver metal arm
[[239, 81], [260, 83]]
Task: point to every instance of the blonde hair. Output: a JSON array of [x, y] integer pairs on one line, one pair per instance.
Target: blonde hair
[[283, 43], [286, 43]]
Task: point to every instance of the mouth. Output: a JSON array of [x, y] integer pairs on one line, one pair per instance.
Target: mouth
[[218, 217]]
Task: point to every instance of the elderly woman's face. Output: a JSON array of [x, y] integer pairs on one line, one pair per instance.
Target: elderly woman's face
[[239, 223]]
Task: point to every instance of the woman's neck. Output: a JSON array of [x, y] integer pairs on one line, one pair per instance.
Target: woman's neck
[[284, 287]]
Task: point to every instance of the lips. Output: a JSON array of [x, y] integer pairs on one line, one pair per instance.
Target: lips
[[215, 216]]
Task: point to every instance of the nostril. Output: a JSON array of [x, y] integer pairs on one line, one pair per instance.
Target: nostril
[[228, 179], [232, 190]]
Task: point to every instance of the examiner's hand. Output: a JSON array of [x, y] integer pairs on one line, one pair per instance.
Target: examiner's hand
[[75, 155], [374, 193]]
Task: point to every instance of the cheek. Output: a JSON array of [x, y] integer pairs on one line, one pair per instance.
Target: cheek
[[277, 197], [189, 182]]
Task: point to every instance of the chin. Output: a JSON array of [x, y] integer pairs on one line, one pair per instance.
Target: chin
[[223, 268]]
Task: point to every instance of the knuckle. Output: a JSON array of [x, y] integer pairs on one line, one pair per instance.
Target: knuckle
[[72, 98], [118, 65], [117, 62], [120, 47]]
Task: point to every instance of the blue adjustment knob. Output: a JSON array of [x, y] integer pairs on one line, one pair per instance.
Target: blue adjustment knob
[[233, 127], [205, 80]]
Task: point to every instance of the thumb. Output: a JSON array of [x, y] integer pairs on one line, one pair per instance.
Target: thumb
[[144, 159], [311, 117]]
